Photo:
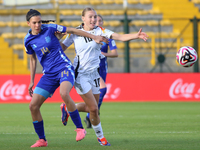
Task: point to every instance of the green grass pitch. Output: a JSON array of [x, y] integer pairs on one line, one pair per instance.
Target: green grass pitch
[[127, 126]]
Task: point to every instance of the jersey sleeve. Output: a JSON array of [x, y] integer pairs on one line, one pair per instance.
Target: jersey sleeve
[[29, 50], [105, 32], [27, 46], [112, 44], [68, 40], [56, 27]]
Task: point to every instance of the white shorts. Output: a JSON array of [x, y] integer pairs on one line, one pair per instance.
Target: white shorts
[[87, 81]]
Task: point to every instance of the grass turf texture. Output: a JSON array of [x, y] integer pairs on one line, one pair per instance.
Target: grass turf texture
[[127, 126]]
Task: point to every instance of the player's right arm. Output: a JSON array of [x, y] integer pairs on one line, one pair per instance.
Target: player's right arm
[[33, 64], [98, 39]]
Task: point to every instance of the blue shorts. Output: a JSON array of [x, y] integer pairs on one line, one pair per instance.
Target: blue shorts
[[48, 84], [103, 72]]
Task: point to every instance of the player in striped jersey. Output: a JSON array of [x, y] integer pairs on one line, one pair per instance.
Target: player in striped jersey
[[86, 63], [103, 68]]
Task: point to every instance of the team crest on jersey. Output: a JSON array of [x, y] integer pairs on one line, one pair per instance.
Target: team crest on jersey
[[48, 39], [59, 28]]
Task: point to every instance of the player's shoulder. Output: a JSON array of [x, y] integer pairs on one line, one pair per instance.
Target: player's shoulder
[[45, 26], [80, 26], [27, 37], [101, 28]]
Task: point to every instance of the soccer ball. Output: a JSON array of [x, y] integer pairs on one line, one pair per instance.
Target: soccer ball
[[186, 56]]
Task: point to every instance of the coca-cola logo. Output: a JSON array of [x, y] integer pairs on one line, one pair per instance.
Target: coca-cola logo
[[112, 93], [9, 91], [180, 89]]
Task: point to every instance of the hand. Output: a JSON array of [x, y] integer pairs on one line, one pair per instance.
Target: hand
[[59, 35], [100, 39], [142, 35], [30, 89]]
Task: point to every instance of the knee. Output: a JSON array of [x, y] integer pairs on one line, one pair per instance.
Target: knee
[[94, 110], [64, 95], [33, 107]]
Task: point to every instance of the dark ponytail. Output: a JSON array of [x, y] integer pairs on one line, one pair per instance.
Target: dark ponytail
[[47, 21]]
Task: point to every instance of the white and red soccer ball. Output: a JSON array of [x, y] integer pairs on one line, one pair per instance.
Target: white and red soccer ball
[[186, 56]]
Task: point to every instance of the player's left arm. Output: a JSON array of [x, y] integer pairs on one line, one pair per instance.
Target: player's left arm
[[113, 49], [98, 39], [128, 37], [112, 53]]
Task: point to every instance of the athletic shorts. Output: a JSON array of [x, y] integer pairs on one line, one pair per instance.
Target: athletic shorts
[[48, 84], [87, 81], [103, 72]]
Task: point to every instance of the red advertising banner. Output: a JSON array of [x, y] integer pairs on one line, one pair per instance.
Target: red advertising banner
[[121, 87]]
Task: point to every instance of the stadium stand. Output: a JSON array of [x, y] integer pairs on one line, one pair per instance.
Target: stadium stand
[[152, 15]]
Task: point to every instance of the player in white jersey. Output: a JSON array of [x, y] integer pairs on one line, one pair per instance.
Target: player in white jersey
[[86, 64], [103, 67]]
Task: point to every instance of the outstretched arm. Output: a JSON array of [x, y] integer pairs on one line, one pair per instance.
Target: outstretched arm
[[98, 39], [128, 37]]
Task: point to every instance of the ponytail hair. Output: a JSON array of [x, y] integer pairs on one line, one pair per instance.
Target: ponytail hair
[[47, 21]]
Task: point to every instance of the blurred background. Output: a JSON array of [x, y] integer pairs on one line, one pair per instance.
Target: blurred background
[[170, 24]]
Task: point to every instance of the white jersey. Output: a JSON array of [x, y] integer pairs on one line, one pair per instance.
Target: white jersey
[[88, 52]]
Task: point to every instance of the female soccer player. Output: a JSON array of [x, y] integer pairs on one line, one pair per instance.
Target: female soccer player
[[86, 62], [57, 71], [103, 67]]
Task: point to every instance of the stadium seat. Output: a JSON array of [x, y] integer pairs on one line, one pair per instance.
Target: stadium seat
[[78, 12], [66, 23], [75, 23], [95, 2], [165, 23], [2, 24], [118, 1], [196, 1], [7, 35], [60, 2], [138, 23], [174, 34], [163, 35], [131, 12], [115, 23], [118, 12], [154, 12], [20, 35], [151, 34], [18, 46], [104, 12], [142, 12], [135, 45], [108, 2], [70, 2], [4, 11], [152, 23], [66, 12], [146, 45], [12, 24], [161, 45], [133, 1], [105, 23], [23, 24], [120, 45], [145, 1], [82, 2]]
